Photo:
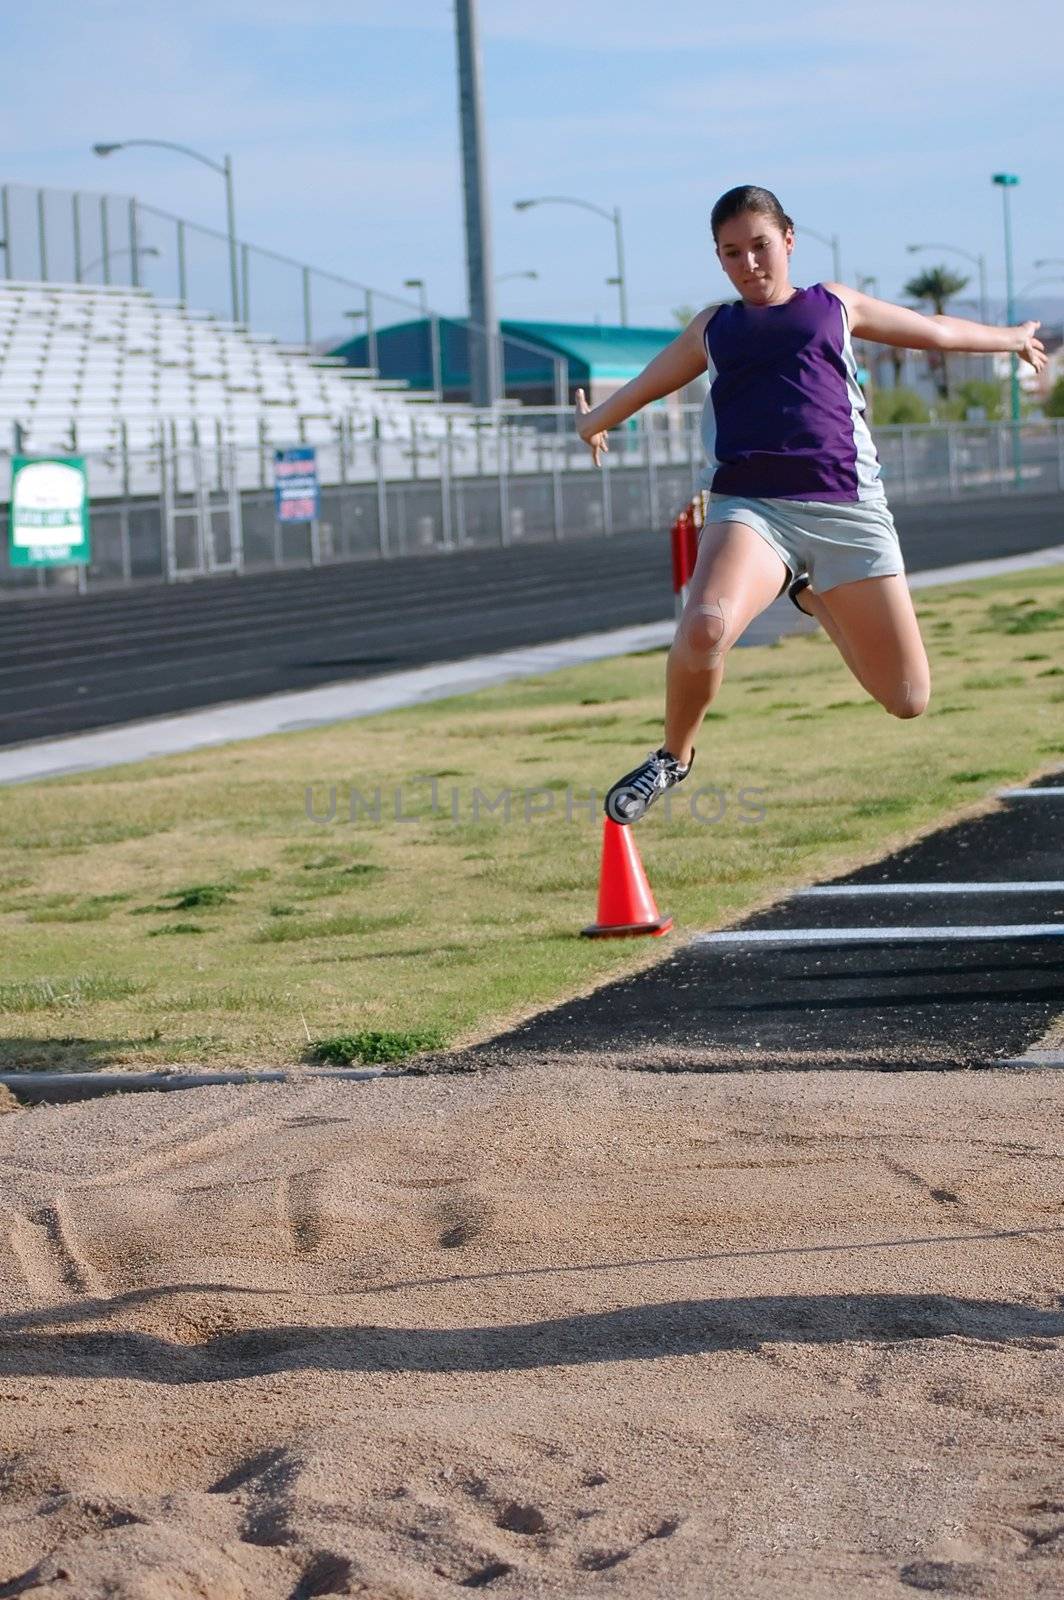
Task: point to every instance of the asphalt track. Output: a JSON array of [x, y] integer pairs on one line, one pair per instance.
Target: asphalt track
[[893, 1004], [71, 663]]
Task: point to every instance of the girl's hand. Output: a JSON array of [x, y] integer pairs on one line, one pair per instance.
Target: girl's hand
[[1031, 349], [596, 442]]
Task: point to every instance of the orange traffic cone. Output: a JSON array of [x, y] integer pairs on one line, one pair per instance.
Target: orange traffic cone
[[625, 903]]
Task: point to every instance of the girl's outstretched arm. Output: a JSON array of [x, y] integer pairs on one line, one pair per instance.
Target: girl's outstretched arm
[[885, 323], [679, 364]]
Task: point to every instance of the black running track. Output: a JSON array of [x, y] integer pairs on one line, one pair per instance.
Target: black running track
[[894, 1004], [69, 663]]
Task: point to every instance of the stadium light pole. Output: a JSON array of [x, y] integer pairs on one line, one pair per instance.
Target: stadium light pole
[[1007, 181], [832, 242], [141, 250], [485, 367], [613, 216], [225, 167]]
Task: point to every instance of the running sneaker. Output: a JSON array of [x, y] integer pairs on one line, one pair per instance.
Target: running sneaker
[[638, 789]]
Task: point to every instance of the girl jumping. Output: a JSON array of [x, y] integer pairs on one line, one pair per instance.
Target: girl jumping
[[796, 501]]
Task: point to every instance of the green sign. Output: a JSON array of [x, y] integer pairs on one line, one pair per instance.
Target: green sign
[[49, 520]]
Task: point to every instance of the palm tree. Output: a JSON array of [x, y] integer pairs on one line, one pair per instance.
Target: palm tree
[[937, 285]]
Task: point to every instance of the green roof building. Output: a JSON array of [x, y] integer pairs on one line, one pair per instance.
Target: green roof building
[[539, 358]]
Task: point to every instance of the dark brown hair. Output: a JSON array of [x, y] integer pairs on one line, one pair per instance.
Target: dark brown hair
[[748, 197]]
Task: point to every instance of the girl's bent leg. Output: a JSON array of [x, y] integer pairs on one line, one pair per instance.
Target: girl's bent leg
[[875, 627], [736, 576]]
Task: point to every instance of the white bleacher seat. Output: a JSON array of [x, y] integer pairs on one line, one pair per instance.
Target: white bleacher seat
[[93, 357]]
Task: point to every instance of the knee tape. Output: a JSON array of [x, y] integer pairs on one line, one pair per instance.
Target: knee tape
[[702, 637]]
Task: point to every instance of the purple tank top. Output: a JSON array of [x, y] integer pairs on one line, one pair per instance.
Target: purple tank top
[[787, 407]]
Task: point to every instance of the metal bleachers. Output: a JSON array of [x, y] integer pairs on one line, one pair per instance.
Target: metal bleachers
[[85, 367]]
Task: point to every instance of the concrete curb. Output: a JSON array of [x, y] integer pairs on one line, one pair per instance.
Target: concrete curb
[[55, 1088]]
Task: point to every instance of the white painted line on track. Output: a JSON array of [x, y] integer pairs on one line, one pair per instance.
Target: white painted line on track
[[1036, 1058], [1015, 886], [1005, 930], [1050, 792]]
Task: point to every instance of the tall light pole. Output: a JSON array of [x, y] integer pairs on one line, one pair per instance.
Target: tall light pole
[[225, 167], [485, 368], [613, 216], [1008, 181], [832, 242]]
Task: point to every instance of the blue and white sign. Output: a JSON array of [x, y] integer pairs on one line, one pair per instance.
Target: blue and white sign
[[296, 490]]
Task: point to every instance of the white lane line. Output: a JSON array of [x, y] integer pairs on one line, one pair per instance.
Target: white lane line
[[1015, 886], [1006, 930], [1036, 1058], [1050, 793]]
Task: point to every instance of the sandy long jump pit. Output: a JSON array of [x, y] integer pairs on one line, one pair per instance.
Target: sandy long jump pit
[[567, 1331]]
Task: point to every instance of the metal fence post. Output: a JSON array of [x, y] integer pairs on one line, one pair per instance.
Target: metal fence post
[[5, 223], [127, 554], [607, 496], [105, 241], [182, 268], [446, 467], [436, 354], [245, 284], [236, 508], [382, 490], [371, 332], [42, 236], [951, 462], [652, 470], [692, 455], [557, 448], [504, 487], [308, 335], [905, 480], [75, 203]]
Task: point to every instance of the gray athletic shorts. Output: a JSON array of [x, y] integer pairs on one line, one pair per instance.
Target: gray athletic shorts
[[831, 543]]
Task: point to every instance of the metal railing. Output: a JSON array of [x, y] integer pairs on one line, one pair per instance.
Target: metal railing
[[182, 510], [79, 237]]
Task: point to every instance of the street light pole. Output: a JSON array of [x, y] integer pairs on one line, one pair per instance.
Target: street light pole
[[832, 242], [225, 168], [622, 291], [485, 368], [613, 216], [1007, 181]]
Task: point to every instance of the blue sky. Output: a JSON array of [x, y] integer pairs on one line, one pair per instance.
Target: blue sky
[[883, 124]]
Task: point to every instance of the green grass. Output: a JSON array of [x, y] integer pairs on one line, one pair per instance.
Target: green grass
[[190, 909]]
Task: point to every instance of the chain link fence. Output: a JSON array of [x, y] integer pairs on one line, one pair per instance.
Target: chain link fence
[[181, 511]]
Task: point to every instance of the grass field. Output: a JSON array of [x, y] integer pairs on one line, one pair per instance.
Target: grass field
[[189, 910]]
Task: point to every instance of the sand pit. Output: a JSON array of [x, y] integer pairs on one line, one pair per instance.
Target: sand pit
[[545, 1333]]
